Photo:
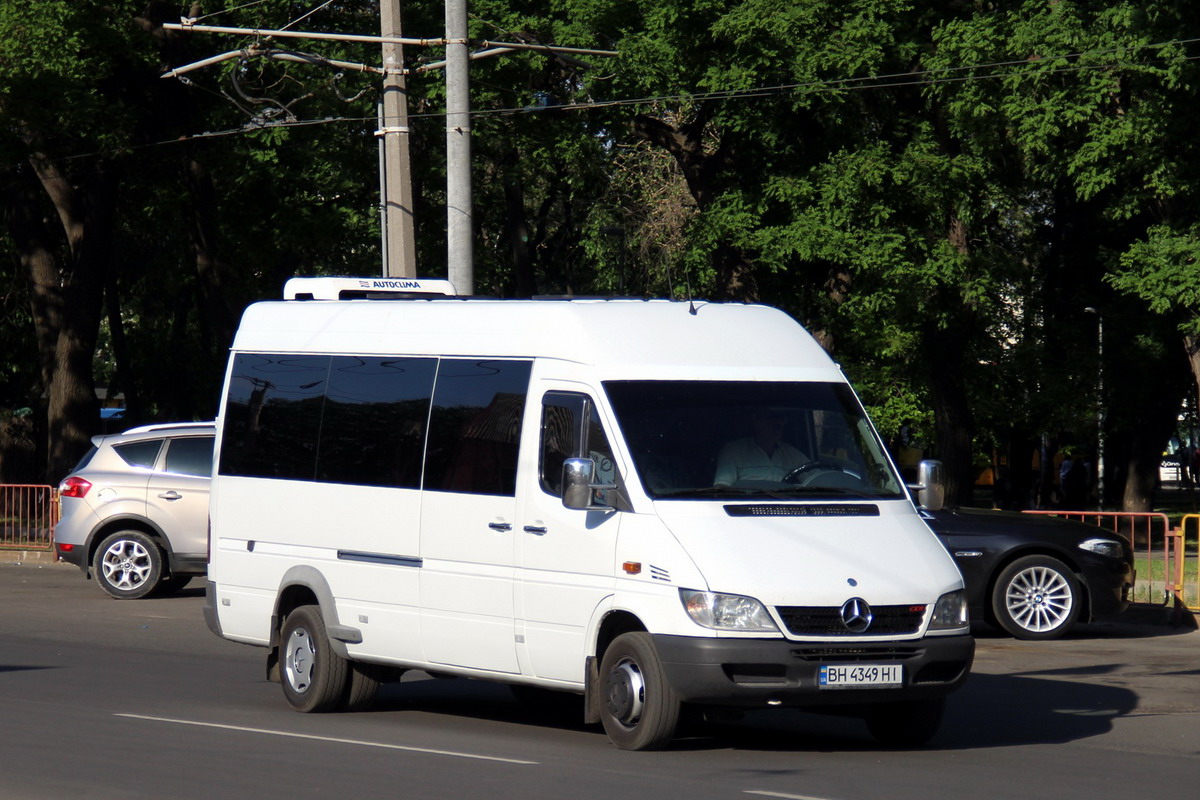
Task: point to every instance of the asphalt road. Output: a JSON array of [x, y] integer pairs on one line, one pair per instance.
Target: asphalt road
[[137, 699]]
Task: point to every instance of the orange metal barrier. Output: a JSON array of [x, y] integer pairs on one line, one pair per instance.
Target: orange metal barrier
[[1157, 548], [28, 514], [1188, 572]]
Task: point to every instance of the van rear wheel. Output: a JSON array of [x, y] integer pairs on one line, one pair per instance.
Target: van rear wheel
[[314, 677], [639, 709]]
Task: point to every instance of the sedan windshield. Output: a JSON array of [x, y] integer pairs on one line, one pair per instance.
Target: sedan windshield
[[723, 439]]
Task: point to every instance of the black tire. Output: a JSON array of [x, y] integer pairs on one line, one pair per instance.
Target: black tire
[[315, 679], [906, 724], [362, 685], [639, 709], [1036, 597], [128, 565]]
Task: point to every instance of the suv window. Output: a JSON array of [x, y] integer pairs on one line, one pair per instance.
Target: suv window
[[190, 456], [140, 454]]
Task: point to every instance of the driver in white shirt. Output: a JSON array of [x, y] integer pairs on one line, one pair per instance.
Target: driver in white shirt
[[762, 456]]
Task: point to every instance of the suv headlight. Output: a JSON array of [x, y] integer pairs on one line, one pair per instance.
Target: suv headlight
[[1104, 547], [950, 613], [726, 612]]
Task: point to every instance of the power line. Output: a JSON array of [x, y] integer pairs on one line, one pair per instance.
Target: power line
[[864, 83]]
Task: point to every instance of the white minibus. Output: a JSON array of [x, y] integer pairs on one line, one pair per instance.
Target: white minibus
[[658, 505]]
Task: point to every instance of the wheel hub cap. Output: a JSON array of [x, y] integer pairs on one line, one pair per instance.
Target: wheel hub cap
[[298, 663], [1040, 599], [626, 692]]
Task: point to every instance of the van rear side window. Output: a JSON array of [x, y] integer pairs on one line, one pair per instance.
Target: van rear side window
[[362, 420], [339, 419], [273, 416], [373, 427]]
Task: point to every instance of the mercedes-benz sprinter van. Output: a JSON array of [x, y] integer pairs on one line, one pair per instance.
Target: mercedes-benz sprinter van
[[657, 505]]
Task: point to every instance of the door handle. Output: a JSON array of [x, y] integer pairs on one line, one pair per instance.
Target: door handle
[[540, 530], [170, 495], [500, 526]]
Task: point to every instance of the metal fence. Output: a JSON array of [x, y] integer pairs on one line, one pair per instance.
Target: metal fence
[[1188, 574], [28, 514], [1159, 552]]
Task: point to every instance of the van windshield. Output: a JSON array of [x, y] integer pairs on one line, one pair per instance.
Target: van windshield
[[722, 439]]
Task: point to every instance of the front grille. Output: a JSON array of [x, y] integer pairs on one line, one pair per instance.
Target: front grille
[[843, 654], [827, 620]]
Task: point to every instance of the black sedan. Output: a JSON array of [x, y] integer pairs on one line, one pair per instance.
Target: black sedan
[[1036, 576]]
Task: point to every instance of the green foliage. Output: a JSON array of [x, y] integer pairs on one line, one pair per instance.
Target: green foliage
[[1163, 271], [927, 186]]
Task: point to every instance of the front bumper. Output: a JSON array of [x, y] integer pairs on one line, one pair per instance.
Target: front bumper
[[760, 672], [1109, 586]]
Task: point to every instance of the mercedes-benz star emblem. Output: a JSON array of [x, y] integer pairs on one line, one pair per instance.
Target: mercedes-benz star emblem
[[856, 615]]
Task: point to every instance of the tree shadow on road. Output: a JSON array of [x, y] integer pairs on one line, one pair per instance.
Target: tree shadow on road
[[989, 711]]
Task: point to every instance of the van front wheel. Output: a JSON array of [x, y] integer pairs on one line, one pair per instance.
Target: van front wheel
[[638, 708], [314, 677]]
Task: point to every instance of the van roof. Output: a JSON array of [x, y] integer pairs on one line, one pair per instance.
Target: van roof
[[634, 339]]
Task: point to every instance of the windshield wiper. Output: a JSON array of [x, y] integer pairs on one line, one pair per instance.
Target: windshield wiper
[[714, 491], [828, 490]]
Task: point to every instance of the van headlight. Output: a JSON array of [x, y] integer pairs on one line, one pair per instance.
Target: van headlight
[[950, 613], [1103, 547], [726, 612]]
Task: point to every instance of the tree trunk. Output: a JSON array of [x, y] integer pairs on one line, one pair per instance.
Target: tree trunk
[[210, 268], [953, 422], [67, 310], [516, 226], [1152, 401], [1145, 453]]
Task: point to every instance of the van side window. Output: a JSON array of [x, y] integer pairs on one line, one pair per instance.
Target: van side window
[[273, 416], [373, 428], [563, 437], [475, 426]]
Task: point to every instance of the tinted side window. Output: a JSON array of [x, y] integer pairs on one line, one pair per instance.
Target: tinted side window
[[191, 456], [139, 454], [475, 426], [373, 430], [273, 416]]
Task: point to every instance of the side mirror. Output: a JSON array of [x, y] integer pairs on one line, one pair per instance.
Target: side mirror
[[577, 486], [577, 483], [931, 485]]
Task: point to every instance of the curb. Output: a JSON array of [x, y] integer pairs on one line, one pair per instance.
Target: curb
[[28, 557]]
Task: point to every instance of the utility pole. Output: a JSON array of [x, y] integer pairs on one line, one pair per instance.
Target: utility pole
[[399, 252], [1099, 404], [399, 249], [460, 264]]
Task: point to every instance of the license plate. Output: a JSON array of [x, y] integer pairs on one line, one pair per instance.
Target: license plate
[[858, 676]]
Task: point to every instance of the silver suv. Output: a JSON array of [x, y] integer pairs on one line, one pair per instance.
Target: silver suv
[[135, 509]]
